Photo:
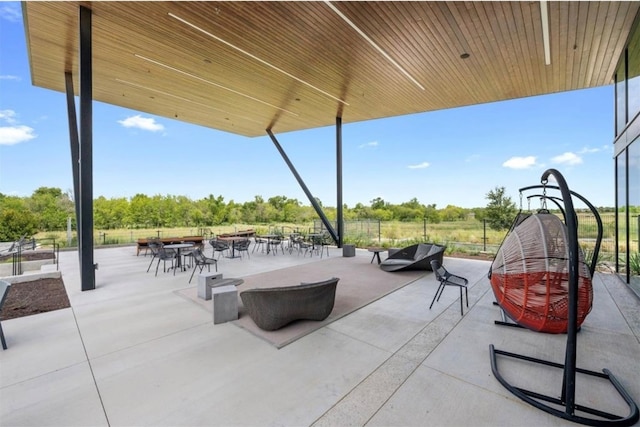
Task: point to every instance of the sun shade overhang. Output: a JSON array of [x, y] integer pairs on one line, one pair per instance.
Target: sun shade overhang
[[244, 67]]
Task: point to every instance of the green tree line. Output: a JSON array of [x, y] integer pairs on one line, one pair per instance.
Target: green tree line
[[47, 209]]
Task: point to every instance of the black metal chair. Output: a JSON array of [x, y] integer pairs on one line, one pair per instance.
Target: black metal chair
[[154, 246], [187, 255], [165, 255], [320, 242], [243, 246], [4, 290], [447, 279], [259, 242], [274, 244], [219, 246], [200, 261], [301, 245]]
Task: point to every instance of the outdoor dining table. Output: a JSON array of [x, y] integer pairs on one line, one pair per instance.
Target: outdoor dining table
[[269, 237], [179, 247], [233, 240]]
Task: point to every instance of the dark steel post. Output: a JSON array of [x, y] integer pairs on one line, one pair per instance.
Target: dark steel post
[[339, 210], [312, 199], [87, 269]]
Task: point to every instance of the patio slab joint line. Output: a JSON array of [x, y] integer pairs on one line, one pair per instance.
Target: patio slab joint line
[[104, 410], [396, 354]]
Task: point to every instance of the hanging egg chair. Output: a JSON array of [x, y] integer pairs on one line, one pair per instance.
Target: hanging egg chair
[[530, 275], [540, 279]]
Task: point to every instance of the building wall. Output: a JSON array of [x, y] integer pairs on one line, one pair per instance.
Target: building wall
[[627, 160]]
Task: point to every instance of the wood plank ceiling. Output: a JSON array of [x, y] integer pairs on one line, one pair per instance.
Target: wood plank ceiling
[[244, 67]]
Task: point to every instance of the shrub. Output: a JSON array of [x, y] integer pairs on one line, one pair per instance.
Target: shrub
[[634, 263], [15, 224]]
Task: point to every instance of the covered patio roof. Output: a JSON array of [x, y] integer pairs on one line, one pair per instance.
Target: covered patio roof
[[244, 67]]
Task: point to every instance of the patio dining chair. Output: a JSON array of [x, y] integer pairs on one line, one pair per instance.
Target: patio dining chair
[[219, 246], [243, 246], [301, 246], [274, 244], [259, 242], [187, 255], [201, 260], [165, 255], [154, 246], [323, 243]]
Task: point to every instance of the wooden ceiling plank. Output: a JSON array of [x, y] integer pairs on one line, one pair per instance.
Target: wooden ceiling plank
[[315, 58]]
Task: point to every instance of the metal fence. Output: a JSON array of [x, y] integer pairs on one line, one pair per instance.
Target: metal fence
[[469, 235]]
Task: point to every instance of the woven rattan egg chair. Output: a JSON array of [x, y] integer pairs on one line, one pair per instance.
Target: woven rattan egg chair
[[540, 279], [530, 275]]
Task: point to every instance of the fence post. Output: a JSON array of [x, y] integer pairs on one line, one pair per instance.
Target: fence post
[[484, 235], [424, 229]]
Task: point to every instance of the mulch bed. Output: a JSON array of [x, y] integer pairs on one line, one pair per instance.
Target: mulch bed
[[34, 297], [30, 256]]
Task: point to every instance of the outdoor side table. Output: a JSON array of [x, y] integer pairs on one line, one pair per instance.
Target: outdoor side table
[[211, 280], [376, 253], [225, 304]]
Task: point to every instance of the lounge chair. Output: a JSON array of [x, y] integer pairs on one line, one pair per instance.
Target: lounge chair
[[415, 257], [448, 279], [273, 308]]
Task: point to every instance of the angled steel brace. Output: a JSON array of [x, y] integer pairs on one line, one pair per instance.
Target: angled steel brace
[[313, 201], [74, 141]]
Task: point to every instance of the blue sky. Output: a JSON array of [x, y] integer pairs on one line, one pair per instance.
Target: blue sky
[[449, 157]]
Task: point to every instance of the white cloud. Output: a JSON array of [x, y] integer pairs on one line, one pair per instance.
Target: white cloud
[[144, 123], [10, 77], [10, 12], [587, 150], [10, 135], [14, 133], [369, 144], [8, 116], [567, 158], [520, 162], [422, 165]]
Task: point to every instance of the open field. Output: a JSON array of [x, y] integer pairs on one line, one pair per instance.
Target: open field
[[470, 236]]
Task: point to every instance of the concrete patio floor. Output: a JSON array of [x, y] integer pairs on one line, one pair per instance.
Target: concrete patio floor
[[134, 352]]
